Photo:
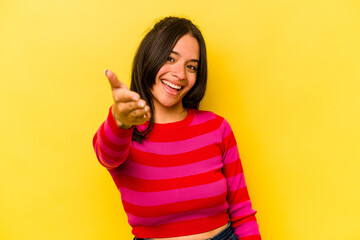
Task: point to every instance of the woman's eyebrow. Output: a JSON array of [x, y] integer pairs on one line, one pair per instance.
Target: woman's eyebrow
[[191, 60]]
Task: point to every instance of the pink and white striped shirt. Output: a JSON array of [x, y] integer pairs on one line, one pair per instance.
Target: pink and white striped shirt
[[184, 178]]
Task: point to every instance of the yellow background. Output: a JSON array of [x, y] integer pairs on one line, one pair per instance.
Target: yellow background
[[286, 75]]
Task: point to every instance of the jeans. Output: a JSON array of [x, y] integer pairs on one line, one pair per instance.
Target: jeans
[[226, 234]]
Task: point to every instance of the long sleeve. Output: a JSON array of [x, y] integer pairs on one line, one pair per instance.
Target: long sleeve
[[242, 215], [111, 143]]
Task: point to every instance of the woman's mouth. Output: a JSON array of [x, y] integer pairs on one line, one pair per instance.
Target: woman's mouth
[[171, 85]]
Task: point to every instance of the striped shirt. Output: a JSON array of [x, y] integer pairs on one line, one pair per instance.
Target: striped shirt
[[185, 178]]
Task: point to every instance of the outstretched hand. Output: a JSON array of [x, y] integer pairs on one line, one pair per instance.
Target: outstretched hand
[[128, 108]]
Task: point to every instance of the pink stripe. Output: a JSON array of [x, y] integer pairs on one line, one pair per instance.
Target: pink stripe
[[95, 143], [119, 140], [201, 213], [141, 127], [225, 128], [100, 147], [168, 148], [241, 209], [236, 182], [103, 160], [158, 173], [232, 155], [112, 162], [247, 229], [172, 196], [109, 151], [202, 117]]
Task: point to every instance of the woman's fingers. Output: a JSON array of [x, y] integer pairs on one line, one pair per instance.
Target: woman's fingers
[[120, 91], [128, 108], [140, 116], [124, 95], [113, 80], [131, 115], [137, 114]]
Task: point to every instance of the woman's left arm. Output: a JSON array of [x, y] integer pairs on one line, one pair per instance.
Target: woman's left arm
[[242, 215]]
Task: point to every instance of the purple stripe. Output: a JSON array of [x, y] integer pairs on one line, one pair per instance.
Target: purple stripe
[[158, 173], [119, 140], [232, 155], [168, 148], [202, 117], [241, 209], [172, 196], [201, 213], [236, 182], [247, 229]]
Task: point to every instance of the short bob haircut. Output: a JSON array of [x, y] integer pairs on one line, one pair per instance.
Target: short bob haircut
[[151, 55]]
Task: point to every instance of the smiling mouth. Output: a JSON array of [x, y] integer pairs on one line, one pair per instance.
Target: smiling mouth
[[171, 85]]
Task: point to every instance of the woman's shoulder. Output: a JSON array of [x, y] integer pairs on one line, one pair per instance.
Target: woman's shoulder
[[206, 113], [201, 116]]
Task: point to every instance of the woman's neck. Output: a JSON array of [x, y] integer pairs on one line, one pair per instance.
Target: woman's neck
[[168, 115]]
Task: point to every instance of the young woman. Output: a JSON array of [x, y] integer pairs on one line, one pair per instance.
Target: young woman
[[177, 168]]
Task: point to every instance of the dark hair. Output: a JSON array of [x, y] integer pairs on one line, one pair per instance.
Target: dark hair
[[151, 55]]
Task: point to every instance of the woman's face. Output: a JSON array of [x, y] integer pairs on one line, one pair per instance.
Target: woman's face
[[177, 76]]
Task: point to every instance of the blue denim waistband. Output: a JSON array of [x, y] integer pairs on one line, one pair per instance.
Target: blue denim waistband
[[227, 233]]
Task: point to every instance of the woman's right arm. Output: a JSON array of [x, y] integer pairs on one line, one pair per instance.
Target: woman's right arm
[[112, 143], [112, 140]]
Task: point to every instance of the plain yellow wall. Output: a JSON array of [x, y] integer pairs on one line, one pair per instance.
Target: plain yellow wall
[[286, 74]]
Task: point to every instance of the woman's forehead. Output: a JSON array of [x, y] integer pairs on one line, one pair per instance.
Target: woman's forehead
[[188, 47]]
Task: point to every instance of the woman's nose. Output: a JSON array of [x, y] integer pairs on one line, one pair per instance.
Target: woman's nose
[[179, 71]]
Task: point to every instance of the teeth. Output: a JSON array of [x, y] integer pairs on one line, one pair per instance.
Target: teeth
[[172, 85]]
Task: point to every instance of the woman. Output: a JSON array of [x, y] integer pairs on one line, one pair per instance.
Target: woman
[[177, 168]]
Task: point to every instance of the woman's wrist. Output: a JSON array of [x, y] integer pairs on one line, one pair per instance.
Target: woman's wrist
[[118, 122]]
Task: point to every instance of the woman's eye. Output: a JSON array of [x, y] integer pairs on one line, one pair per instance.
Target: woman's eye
[[170, 59], [192, 67]]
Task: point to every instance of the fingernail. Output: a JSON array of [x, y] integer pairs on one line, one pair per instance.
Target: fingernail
[[144, 115], [142, 104], [105, 71], [135, 98], [146, 109]]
